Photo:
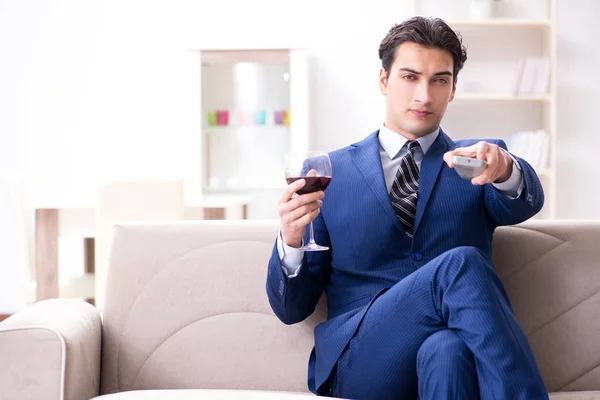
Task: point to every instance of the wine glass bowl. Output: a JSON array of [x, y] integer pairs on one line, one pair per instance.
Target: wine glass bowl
[[315, 168], [313, 183]]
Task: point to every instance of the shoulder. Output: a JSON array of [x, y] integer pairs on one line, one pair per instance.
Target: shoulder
[[341, 153]]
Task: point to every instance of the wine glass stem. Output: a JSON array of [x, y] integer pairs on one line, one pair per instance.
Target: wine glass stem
[[311, 239]]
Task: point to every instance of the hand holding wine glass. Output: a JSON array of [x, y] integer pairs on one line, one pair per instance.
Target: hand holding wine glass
[[307, 174]]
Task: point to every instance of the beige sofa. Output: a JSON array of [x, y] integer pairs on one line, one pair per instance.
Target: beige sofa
[[186, 309]]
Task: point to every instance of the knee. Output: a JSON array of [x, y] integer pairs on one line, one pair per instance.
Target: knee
[[466, 253], [442, 348], [465, 258]]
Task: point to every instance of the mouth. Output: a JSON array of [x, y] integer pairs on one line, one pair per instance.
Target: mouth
[[421, 113]]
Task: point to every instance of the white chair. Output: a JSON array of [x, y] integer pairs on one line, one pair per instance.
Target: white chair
[[130, 201]]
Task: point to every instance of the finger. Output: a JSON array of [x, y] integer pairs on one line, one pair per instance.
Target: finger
[[304, 199], [289, 191], [312, 172], [449, 158], [307, 218], [299, 201], [482, 150], [301, 211], [469, 151], [482, 179], [491, 171], [499, 163]]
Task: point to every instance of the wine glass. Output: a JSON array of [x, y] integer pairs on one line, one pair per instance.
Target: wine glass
[[315, 168]]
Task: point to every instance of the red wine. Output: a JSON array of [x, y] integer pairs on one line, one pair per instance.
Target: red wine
[[313, 183]]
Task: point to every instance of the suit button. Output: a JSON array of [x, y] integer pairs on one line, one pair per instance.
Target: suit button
[[417, 256]]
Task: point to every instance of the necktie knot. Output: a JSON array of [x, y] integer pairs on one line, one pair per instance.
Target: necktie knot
[[412, 146]]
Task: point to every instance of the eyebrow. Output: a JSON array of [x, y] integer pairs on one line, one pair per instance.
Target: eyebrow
[[441, 73]]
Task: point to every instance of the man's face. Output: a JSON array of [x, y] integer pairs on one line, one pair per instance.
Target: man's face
[[418, 89]]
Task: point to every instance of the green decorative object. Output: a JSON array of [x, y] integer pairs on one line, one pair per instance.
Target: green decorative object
[[212, 118]]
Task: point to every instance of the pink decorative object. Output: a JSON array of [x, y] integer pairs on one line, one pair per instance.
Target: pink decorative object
[[222, 117]]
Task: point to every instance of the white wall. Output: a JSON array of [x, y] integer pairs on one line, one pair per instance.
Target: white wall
[[11, 274], [578, 108], [92, 89]]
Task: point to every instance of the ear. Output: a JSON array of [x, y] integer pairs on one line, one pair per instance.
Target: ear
[[453, 89], [383, 82]]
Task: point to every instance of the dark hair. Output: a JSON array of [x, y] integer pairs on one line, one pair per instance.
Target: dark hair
[[427, 32]]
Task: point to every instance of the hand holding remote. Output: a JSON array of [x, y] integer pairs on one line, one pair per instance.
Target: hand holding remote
[[498, 163]]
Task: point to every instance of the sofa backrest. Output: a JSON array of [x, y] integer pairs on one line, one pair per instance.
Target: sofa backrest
[[186, 306], [551, 272]]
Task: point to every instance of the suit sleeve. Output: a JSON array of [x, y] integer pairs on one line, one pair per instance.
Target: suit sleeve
[[293, 299], [508, 211]]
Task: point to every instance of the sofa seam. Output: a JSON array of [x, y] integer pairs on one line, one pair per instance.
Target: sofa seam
[[545, 324]]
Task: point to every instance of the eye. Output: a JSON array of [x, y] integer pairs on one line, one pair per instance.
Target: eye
[[409, 77], [443, 81]]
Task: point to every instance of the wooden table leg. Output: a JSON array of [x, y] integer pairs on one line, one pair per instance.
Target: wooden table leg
[[89, 261], [214, 213], [46, 253], [217, 213]]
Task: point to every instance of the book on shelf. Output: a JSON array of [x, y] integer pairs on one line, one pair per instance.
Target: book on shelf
[[532, 146], [532, 76]]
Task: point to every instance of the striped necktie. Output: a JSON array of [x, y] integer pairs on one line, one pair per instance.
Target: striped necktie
[[404, 191]]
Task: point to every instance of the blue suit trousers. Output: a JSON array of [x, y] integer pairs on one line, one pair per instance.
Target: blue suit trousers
[[447, 331]]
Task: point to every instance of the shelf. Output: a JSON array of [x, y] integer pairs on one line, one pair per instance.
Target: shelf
[[244, 127], [212, 57], [503, 97], [502, 22]]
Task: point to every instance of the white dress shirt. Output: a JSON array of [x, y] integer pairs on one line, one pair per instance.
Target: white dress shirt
[[391, 149]]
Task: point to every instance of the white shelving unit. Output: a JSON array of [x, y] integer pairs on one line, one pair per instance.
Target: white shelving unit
[[487, 106], [243, 158]]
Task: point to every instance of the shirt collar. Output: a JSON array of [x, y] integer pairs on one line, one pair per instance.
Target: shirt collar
[[393, 142]]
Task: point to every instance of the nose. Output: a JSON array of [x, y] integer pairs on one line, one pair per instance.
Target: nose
[[423, 93]]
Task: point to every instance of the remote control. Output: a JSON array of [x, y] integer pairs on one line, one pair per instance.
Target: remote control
[[468, 168]]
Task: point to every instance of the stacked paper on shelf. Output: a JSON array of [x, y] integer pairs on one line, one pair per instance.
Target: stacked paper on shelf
[[532, 146], [532, 76]]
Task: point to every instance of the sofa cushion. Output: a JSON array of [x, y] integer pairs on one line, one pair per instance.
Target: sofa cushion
[[208, 394]]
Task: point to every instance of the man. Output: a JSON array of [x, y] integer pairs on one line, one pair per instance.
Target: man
[[415, 308]]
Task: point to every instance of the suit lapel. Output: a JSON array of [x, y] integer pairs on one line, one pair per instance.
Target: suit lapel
[[430, 169], [366, 158]]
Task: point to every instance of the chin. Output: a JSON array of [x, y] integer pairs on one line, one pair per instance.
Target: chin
[[420, 131]]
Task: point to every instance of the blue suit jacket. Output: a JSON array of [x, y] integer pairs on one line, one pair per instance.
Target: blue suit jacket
[[369, 250]]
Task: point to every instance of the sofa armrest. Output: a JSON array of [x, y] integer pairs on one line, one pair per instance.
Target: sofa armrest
[[51, 350]]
